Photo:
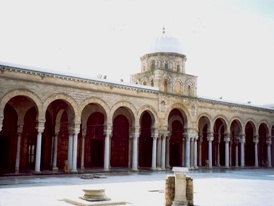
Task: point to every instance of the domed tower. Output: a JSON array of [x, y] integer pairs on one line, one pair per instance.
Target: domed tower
[[164, 67]]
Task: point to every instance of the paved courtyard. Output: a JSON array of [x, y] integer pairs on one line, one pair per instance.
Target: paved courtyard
[[211, 187]]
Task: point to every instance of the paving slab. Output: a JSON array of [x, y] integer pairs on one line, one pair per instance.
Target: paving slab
[[220, 188]]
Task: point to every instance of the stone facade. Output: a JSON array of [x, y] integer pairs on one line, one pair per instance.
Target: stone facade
[[156, 122]]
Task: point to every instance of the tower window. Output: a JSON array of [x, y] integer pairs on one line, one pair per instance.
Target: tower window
[[152, 83], [166, 65]]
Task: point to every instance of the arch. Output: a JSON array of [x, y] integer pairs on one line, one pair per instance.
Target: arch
[[204, 128], [236, 131], [250, 133], [23, 92], [151, 111], [94, 100], [129, 107], [184, 111], [218, 149], [263, 133], [69, 100], [145, 139]]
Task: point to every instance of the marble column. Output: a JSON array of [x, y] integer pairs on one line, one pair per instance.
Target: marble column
[[191, 152], [83, 152], [159, 151], [18, 151], [107, 150], [195, 153], [236, 153], [74, 150], [256, 141], [153, 162], [40, 130], [242, 141], [167, 152], [163, 156], [187, 153], [135, 152], [70, 148], [210, 139], [55, 152], [268, 143], [200, 150], [227, 140]]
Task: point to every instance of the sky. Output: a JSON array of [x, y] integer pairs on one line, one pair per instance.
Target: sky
[[229, 44]]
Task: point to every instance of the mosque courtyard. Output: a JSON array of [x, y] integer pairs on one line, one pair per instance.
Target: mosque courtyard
[[218, 187]]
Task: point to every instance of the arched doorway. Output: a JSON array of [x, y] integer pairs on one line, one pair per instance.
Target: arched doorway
[[218, 149], [262, 147], [95, 140], [176, 144], [120, 142], [249, 145], [8, 140], [235, 135], [202, 141], [145, 141]]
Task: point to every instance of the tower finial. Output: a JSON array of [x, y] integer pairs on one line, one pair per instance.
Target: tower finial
[[164, 30]]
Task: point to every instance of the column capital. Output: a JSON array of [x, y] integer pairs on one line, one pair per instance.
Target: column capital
[[210, 138], [20, 128], [268, 142], [227, 139]]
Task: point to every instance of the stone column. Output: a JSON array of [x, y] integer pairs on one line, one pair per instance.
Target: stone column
[[18, 151], [191, 153], [153, 162], [70, 148], [40, 129], [163, 159], [167, 152], [227, 140], [75, 147], [107, 149], [187, 153], [268, 143], [200, 150], [236, 142], [55, 152], [256, 141], [242, 140], [135, 152], [159, 152], [210, 139], [83, 152], [218, 151], [195, 153]]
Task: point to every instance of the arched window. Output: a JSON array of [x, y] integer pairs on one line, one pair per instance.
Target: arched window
[[152, 83], [189, 90], [166, 65]]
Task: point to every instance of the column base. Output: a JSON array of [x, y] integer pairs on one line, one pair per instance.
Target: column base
[[55, 169], [179, 203]]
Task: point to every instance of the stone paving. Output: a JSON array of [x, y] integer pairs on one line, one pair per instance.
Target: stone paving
[[211, 187]]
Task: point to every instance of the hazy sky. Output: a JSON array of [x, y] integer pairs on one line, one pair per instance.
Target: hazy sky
[[229, 44]]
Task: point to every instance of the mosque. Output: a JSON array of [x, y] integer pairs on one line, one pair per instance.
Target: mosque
[[155, 122]]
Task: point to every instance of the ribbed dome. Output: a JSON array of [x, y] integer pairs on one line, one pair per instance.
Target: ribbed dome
[[165, 43]]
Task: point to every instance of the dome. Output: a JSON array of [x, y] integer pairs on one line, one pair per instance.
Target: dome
[[165, 43]]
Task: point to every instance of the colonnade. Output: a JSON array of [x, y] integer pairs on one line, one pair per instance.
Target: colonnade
[[160, 150]]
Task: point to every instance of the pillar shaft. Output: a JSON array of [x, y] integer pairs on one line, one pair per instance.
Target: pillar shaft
[[135, 152], [153, 162], [163, 156]]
